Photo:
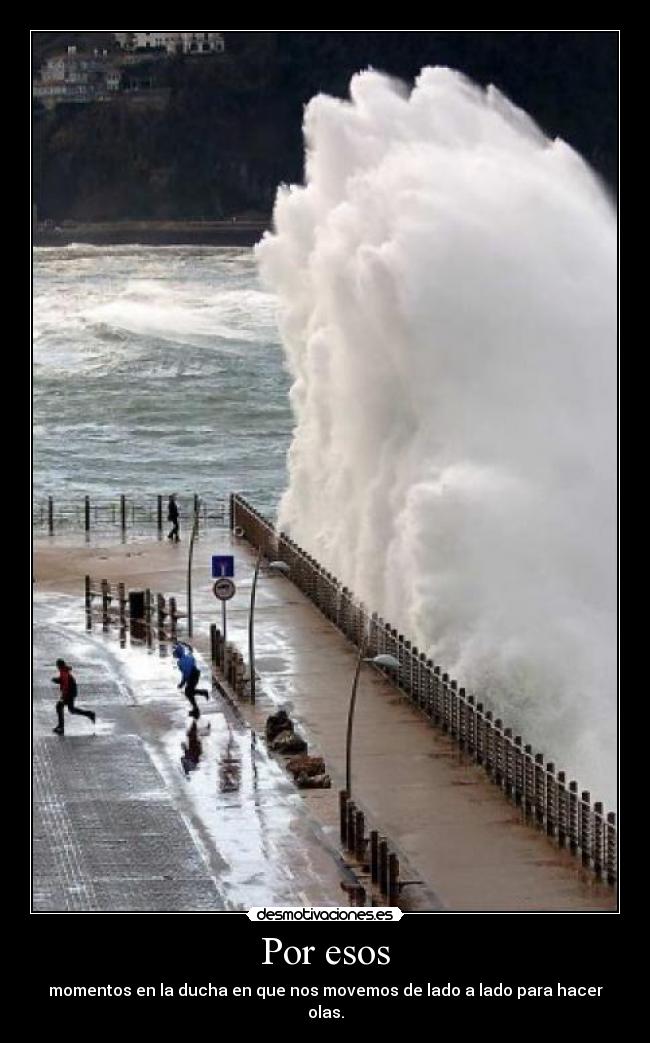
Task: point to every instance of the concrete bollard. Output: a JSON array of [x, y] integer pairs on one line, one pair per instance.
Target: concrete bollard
[[383, 865], [393, 879], [374, 856], [351, 834], [343, 817], [360, 836]]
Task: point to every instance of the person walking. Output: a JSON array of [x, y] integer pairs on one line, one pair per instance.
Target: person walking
[[68, 686], [190, 675], [172, 516]]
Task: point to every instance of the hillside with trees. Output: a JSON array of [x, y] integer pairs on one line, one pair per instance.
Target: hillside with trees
[[230, 129]]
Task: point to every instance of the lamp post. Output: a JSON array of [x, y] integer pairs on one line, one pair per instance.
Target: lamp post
[[385, 660], [195, 529], [276, 566]]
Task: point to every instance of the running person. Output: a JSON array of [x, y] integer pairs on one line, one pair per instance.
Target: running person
[[68, 686], [190, 675]]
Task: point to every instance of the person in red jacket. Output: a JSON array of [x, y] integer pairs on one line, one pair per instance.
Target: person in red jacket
[[68, 686]]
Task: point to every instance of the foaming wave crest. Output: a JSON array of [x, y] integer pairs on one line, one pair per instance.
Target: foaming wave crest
[[447, 282]]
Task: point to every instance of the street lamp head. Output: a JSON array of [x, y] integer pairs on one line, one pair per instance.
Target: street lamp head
[[385, 660]]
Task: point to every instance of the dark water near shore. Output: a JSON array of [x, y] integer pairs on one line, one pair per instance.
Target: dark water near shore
[[156, 369]]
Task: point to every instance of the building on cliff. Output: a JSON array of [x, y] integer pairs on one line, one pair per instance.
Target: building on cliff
[[194, 41]]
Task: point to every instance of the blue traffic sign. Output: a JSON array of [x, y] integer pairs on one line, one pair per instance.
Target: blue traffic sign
[[223, 565]]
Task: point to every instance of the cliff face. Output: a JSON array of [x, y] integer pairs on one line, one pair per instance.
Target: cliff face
[[230, 129]]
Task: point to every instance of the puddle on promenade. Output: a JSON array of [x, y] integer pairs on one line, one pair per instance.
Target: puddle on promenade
[[243, 810]]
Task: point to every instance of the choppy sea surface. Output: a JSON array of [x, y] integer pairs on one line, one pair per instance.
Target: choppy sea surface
[[156, 370]]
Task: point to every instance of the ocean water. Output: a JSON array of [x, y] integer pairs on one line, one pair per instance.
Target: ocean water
[[156, 369]]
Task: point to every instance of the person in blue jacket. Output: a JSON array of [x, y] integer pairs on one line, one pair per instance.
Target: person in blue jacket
[[190, 675]]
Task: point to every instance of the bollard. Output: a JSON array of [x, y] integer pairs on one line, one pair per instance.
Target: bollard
[[393, 879], [213, 644], [147, 617], [105, 602], [360, 836], [160, 615], [585, 827], [50, 515], [123, 512], [351, 836], [383, 866], [173, 617], [343, 817], [87, 513], [374, 856]]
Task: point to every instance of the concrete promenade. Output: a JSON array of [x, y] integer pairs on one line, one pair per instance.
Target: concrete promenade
[[456, 831]]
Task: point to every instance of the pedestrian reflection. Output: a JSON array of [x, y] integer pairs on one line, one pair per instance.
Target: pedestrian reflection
[[229, 767], [192, 750]]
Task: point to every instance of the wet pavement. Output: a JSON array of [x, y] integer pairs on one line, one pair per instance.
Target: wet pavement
[[467, 846], [150, 810]]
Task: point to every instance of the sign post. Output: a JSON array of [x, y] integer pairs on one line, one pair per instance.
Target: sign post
[[224, 589]]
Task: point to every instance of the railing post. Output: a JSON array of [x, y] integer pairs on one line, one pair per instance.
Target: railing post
[[50, 515], [598, 838], [573, 817], [87, 513], [562, 809], [540, 794], [123, 512], [585, 827], [519, 771], [159, 518], [611, 848], [87, 594], [551, 800]]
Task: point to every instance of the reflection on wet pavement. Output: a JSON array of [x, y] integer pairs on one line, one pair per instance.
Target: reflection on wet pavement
[[239, 826]]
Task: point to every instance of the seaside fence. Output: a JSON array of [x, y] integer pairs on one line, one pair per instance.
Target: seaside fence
[[125, 513], [526, 778]]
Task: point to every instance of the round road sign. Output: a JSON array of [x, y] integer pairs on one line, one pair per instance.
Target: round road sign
[[224, 588]]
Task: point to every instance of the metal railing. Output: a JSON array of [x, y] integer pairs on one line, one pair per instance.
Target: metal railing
[[124, 513], [547, 801]]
